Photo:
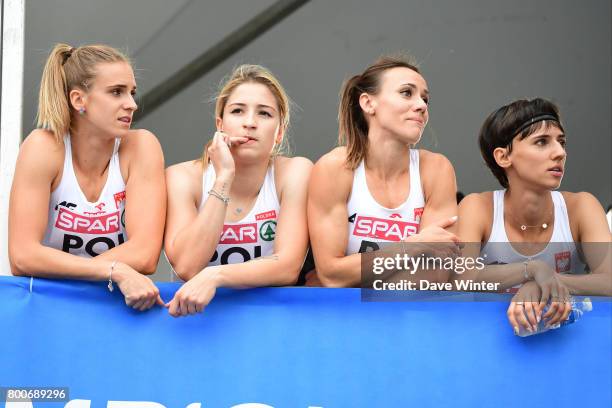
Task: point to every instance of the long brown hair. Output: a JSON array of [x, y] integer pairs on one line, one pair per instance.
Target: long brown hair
[[68, 68], [254, 74], [352, 124]]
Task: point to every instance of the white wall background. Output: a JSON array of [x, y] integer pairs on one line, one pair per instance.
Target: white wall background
[[475, 54]]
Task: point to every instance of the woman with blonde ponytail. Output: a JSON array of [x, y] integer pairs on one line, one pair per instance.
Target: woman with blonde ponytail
[[376, 187], [88, 197], [237, 217]]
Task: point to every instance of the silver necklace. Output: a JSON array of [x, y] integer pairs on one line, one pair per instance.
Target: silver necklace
[[524, 227]]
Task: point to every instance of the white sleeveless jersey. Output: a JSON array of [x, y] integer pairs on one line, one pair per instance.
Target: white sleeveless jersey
[[253, 236], [370, 223], [560, 252], [78, 226]]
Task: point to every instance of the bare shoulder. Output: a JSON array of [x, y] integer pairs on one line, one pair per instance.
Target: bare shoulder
[[141, 136], [476, 217], [140, 142], [437, 162], [291, 174], [331, 181], [42, 148], [587, 217], [334, 163], [335, 158], [580, 198], [437, 176], [581, 203], [292, 165], [477, 203], [332, 167], [186, 174], [43, 140]]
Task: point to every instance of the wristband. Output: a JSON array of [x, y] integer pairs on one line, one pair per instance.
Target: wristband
[[110, 276]]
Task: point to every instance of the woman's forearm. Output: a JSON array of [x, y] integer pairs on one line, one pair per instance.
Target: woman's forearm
[[40, 261], [193, 246], [595, 284], [271, 270]]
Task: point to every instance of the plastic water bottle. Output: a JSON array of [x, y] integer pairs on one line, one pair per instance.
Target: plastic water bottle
[[578, 309]]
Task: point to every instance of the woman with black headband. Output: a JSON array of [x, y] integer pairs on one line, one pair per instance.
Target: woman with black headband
[[527, 232]]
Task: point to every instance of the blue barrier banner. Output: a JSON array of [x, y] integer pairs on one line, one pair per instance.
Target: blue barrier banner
[[291, 348]]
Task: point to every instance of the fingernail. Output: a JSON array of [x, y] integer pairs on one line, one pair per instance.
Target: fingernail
[[538, 318], [516, 330], [454, 218]]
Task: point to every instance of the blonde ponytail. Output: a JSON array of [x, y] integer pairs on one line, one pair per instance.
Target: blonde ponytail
[[68, 68], [53, 108]]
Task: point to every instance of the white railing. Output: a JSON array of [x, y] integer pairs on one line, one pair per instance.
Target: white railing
[[11, 108]]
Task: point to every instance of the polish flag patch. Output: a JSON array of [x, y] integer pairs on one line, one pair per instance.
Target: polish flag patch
[[418, 212], [119, 197], [563, 261]]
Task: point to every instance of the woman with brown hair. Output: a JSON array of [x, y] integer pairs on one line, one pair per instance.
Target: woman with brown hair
[[88, 197], [237, 217], [376, 187]]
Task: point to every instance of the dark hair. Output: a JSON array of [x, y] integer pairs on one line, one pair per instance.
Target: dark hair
[[353, 126], [518, 119]]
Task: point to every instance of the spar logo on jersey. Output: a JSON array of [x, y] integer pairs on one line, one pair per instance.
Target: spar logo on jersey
[[563, 261], [239, 234], [119, 197], [87, 224], [384, 229]]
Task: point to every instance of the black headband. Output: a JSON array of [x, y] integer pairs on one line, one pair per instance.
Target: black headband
[[536, 119]]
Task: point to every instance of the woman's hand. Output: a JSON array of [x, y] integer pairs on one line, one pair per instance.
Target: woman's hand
[[221, 157], [138, 290], [551, 289], [525, 309], [194, 295]]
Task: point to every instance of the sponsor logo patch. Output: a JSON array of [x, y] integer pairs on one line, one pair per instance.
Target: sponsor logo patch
[[239, 234], [99, 207], [265, 215], [563, 261], [384, 229], [267, 231], [94, 224], [65, 204]]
